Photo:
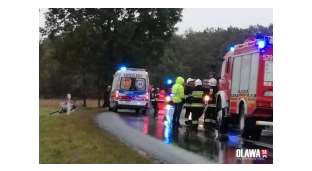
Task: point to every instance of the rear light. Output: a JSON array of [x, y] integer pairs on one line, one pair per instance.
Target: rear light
[[146, 96], [264, 104], [117, 94]]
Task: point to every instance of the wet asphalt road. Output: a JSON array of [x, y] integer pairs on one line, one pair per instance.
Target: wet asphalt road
[[180, 145]]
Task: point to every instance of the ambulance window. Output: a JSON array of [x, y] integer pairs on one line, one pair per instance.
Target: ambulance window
[[228, 65], [133, 84]]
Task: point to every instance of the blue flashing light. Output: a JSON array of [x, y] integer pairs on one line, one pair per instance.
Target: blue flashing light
[[169, 81], [123, 69], [261, 44], [232, 49], [233, 140], [171, 95]]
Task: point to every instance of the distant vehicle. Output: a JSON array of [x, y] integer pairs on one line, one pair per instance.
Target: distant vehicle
[[130, 90], [246, 87]]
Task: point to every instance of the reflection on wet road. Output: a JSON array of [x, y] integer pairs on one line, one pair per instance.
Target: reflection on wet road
[[221, 149]]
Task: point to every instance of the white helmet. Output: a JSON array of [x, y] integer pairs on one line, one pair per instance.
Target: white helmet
[[198, 82], [189, 80], [212, 82]]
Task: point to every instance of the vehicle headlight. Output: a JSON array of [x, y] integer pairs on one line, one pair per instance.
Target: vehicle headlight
[[206, 98], [168, 99]]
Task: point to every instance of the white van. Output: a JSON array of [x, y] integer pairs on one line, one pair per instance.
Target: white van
[[130, 90]]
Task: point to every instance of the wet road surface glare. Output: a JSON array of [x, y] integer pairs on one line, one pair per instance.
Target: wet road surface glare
[[206, 143]]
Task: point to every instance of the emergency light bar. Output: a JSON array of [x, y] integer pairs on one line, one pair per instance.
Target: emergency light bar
[[260, 43], [123, 69], [136, 69]]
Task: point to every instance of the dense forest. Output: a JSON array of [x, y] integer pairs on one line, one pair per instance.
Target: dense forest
[[83, 48]]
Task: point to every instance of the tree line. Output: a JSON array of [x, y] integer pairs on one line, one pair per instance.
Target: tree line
[[84, 47]]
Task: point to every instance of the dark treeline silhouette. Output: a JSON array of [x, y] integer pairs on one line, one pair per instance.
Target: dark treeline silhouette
[[85, 47]]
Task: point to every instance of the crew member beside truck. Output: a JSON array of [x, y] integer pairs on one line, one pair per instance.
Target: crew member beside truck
[[188, 99]]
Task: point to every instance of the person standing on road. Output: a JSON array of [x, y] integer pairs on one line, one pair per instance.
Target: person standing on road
[[210, 114], [198, 103], [178, 98], [152, 98], [155, 102], [188, 99]]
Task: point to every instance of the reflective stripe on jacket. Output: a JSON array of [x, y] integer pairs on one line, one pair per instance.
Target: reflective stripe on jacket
[[197, 99], [211, 94]]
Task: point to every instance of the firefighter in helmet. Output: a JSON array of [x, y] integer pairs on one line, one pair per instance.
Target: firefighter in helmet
[[198, 102], [210, 114], [188, 99], [155, 96]]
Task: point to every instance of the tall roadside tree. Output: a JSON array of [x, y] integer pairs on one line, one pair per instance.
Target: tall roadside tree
[[133, 36], [78, 52], [191, 54]]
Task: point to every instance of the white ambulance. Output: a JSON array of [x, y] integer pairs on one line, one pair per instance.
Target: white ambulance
[[130, 90]]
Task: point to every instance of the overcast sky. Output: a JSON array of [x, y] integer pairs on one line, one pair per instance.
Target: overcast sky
[[200, 18]]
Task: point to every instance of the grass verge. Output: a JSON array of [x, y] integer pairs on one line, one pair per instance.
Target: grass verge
[[77, 139]]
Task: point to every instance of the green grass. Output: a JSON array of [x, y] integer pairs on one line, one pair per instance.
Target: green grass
[[63, 138]]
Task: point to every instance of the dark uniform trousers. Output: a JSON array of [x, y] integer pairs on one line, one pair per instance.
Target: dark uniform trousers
[[196, 114], [197, 107], [155, 104], [210, 116], [187, 113], [187, 105]]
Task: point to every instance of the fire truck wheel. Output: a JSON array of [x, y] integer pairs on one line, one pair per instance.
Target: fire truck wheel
[[244, 122], [221, 120], [256, 134]]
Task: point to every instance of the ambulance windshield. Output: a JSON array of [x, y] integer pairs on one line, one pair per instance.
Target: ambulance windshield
[[133, 84]]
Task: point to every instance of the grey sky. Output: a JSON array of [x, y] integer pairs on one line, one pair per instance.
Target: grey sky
[[200, 18]]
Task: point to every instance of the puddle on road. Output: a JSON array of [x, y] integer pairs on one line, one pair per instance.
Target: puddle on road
[[204, 143]]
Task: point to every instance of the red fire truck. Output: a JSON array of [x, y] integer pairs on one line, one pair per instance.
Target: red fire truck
[[245, 94]]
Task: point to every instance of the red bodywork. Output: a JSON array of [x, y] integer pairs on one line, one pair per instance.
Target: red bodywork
[[161, 100], [258, 104]]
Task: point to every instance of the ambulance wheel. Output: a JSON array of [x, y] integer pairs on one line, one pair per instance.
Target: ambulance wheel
[[110, 108], [144, 112], [256, 133], [137, 112], [115, 109], [244, 122]]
